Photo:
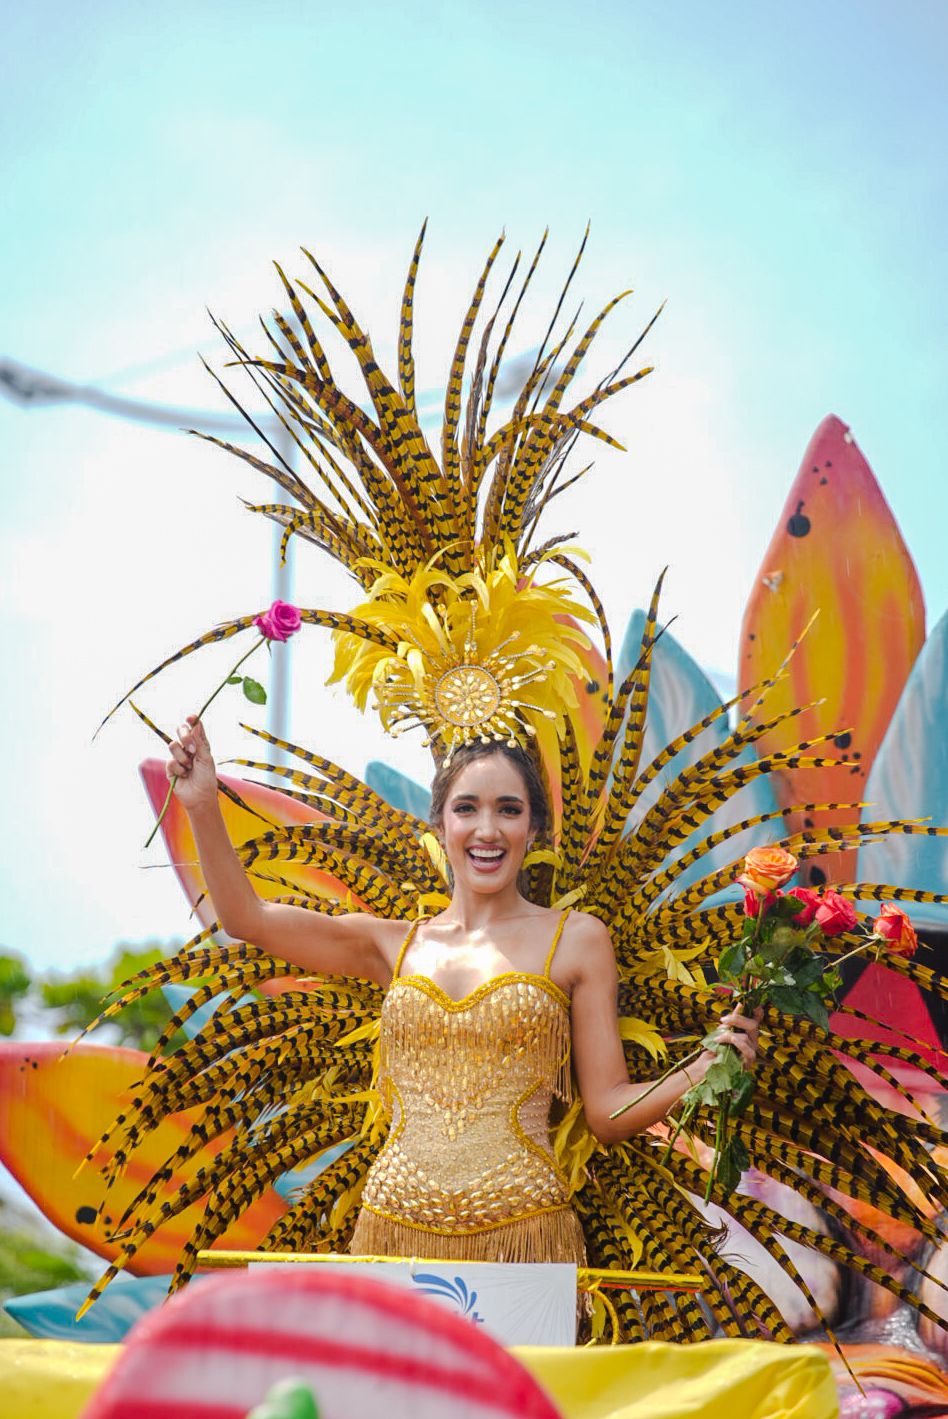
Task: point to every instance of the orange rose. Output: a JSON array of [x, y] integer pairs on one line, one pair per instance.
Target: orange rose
[[896, 930], [766, 869]]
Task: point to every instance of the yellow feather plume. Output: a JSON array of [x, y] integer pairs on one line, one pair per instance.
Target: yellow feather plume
[[488, 654]]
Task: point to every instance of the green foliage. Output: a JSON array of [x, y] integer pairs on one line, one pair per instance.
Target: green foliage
[[33, 1257], [78, 998], [775, 961], [74, 1000], [26, 1265], [732, 1158], [15, 982]]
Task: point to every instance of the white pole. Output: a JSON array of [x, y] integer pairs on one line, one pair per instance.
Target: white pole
[[278, 697]]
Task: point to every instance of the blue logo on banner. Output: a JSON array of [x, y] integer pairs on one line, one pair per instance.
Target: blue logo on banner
[[455, 1293]]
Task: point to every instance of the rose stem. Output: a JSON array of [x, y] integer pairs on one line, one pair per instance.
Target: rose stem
[[856, 951], [199, 716], [672, 1069]]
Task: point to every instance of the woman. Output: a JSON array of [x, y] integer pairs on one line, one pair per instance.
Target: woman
[[486, 1005]]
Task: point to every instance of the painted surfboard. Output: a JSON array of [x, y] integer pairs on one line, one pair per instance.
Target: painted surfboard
[[53, 1108], [275, 809], [837, 551]]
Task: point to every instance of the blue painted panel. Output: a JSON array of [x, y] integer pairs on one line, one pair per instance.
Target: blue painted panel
[[909, 779], [178, 995], [292, 1183], [50, 1315], [399, 790]]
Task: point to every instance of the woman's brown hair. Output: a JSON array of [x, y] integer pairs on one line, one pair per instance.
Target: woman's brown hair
[[522, 761]]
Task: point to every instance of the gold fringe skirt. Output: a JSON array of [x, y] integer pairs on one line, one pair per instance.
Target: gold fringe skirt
[[554, 1235]]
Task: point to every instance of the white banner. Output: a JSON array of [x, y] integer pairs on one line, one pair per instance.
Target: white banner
[[516, 1303]]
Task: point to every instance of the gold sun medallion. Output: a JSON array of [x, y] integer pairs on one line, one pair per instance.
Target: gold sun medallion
[[467, 696]]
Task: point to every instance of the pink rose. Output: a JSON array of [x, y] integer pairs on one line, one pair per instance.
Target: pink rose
[[755, 905], [896, 930], [811, 902], [280, 622], [835, 913]]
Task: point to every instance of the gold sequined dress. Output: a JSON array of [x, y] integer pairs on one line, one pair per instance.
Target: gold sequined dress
[[467, 1171]]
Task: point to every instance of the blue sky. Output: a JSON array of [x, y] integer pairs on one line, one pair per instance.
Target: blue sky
[[777, 172]]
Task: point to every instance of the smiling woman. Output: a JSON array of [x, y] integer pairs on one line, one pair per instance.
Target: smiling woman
[[489, 1006]]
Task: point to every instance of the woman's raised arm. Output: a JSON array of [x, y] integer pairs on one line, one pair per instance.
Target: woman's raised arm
[[334, 945]]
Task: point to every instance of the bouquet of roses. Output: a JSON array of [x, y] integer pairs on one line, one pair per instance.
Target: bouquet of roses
[[777, 960]]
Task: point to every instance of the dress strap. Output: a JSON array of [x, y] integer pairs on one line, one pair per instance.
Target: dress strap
[[404, 947], [556, 941]]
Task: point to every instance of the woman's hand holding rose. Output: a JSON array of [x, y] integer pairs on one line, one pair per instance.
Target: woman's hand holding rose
[[741, 1032], [191, 766]]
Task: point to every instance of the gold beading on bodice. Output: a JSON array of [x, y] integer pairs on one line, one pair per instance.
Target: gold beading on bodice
[[470, 1084]]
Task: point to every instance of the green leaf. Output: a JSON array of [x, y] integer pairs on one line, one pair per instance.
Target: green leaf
[[254, 691], [732, 961], [809, 969], [731, 1162], [796, 1001], [743, 1092], [788, 998], [233, 680], [724, 1073], [830, 983], [704, 1095], [781, 941], [816, 1009], [736, 1160]]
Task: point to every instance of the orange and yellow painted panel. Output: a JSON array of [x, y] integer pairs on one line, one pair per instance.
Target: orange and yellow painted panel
[[266, 809], [837, 551], [53, 1108]]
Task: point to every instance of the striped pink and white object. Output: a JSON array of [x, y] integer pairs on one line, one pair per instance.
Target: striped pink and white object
[[368, 1350]]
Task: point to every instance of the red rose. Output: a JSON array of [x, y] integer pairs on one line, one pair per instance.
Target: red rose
[[835, 913], [896, 931], [755, 905], [280, 622], [810, 900]]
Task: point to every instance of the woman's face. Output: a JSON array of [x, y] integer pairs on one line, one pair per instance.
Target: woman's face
[[486, 824]]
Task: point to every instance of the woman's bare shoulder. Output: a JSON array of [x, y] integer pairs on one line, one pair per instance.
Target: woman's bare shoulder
[[587, 949], [390, 934], [386, 936], [584, 928]]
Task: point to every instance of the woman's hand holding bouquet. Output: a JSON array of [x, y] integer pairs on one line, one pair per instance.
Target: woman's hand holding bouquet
[[777, 960]]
